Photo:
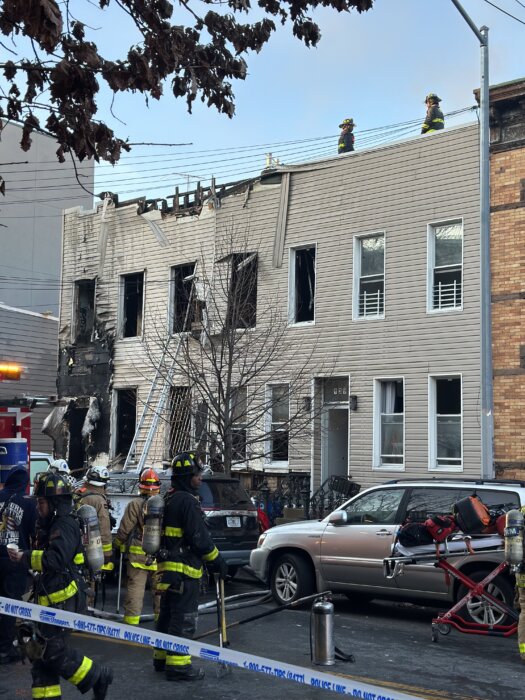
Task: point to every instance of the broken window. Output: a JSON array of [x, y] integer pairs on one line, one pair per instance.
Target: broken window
[[183, 297], [280, 417], [445, 427], [302, 285], [179, 434], [126, 420], [84, 310], [132, 304], [76, 454], [370, 276], [238, 407], [242, 297], [390, 423], [446, 265]]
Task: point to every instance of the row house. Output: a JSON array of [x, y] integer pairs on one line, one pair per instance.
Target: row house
[[360, 273]]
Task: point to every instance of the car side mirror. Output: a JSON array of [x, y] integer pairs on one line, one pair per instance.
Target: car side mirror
[[338, 517]]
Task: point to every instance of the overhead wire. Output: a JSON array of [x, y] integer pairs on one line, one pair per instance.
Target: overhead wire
[[497, 7]]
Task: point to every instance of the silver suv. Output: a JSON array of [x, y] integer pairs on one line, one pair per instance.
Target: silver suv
[[344, 553]]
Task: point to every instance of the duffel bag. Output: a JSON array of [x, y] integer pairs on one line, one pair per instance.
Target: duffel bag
[[471, 515]]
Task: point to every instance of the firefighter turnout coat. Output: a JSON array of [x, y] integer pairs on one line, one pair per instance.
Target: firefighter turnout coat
[[434, 120], [95, 496], [186, 541], [129, 535]]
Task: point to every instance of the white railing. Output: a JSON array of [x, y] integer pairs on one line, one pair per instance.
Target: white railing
[[371, 303], [447, 296]]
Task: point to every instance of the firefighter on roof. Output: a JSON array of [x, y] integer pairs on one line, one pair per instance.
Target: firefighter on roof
[[140, 566], [58, 584], [346, 139], [93, 493], [434, 119], [186, 544]]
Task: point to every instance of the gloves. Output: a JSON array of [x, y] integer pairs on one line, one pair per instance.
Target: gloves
[[218, 566]]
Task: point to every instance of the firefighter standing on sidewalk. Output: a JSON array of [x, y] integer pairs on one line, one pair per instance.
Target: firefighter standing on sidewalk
[[140, 568], [186, 544], [59, 584], [93, 493]]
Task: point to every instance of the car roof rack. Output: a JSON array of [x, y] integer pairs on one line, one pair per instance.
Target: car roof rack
[[478, 482]]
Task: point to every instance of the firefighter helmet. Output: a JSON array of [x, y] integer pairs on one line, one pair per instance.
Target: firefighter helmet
[[97, 476], [432, 97], [59, 466], [347, 122], [149, 481], [186, 464], [50, 485]]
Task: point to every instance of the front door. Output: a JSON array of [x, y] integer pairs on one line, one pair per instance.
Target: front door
[[334, 441]]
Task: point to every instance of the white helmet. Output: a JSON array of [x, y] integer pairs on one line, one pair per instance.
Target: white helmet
[[97, 476], [59, 466]]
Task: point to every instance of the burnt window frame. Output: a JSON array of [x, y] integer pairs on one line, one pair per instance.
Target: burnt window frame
[[115, 427], [242, 265], [176, 320], [292, 285], [185, 423], [122, 304], [76, 337]]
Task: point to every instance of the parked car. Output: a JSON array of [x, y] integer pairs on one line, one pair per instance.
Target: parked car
[[229, 512], [345, 553]]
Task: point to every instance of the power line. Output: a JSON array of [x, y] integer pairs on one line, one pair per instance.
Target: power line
[[497, 7]]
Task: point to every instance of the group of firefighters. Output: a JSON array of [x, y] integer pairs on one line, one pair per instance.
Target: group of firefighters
[[44, 534], [434, 121]]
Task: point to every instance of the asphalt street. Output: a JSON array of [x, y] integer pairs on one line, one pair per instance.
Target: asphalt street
[[391, 643]]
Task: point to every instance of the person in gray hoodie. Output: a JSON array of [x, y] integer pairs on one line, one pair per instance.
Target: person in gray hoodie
[[17, 526]]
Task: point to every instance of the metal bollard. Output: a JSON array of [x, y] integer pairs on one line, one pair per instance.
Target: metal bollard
[[322, 643]]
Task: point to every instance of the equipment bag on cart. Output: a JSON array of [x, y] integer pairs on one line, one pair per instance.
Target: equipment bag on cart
[[471, 515]]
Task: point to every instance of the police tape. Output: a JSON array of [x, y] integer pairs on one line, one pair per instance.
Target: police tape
[[156, 640]]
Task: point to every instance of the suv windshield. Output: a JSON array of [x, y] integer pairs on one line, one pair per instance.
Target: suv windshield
[[224, 494]]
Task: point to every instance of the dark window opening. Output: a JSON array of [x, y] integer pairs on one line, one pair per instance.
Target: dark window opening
[[133, 296], [184, 301], [448, 396], [304, 285], [126, 420], [77, 457], [448, 421], [84, 310], [180, 420], [280, 417], [242, 297]]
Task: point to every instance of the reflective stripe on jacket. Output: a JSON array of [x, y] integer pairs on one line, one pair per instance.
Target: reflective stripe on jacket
[[434, 120]]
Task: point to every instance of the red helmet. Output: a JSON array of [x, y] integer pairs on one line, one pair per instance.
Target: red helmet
[[149, 481]]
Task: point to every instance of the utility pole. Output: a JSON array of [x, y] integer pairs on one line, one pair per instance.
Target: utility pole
[[487, 399]]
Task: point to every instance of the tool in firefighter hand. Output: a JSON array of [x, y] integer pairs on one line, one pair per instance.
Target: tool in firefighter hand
[[222, 668], [286, 606]]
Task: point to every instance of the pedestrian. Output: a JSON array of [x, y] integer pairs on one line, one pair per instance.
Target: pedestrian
[[93, 493], [186, 544], [347, 138], [140, 567], [58, 584], [434, 119], [17, 527]]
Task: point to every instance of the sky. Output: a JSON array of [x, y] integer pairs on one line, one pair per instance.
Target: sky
[[375, 67]]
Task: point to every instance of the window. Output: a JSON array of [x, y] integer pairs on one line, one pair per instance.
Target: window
[[369, 276], [376, 507], [301, 308], [427, 501], [280, 416], [182, 283], [126, 420], [179, 433], [242, 297], [84, 310], [445, 244], [445, 427], [132, 303], [389, 424], [239, 409]]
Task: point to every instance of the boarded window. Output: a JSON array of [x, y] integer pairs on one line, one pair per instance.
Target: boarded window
[[132, 303], [302, 285], [84, 310], [126, 420], [183, 299], [242, 296], [179, 420]]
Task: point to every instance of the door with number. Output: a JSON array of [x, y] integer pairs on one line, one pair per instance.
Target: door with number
[[352, 554]]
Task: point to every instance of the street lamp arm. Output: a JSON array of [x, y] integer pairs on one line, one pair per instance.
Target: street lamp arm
[[470, 23]]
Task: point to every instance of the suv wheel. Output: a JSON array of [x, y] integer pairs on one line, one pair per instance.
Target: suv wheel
[[481, 611], [291, 578]]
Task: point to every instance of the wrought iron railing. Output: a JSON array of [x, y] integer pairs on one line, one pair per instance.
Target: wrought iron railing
[[332, 493]]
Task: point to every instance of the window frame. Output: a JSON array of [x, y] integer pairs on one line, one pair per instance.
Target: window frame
[[172, 300], [238, 427], [74, 315], [114, 413], [376, 451], [433, 465], [357, 251], [121, 314], [431, 257], [292, 323], [281, 464]]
